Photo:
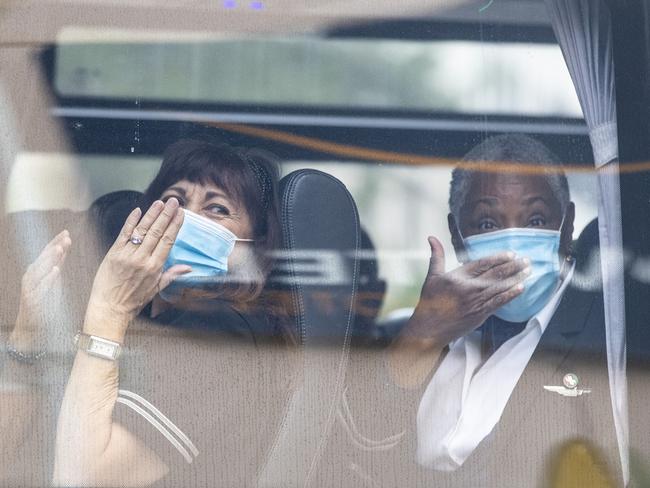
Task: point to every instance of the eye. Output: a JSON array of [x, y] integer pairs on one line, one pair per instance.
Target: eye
[[216, 209], [537, 221], [486, 225]]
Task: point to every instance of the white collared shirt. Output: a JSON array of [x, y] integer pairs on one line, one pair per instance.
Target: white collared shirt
[[467, 395]]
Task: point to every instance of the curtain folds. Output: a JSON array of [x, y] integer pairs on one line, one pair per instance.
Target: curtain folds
[[584, 33]]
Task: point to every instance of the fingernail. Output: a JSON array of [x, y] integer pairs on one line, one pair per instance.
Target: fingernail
[[520, 286], [158, 204], [172, 202]]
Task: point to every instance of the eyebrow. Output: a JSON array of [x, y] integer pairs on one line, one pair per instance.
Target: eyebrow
[[534, 199], [208, 196], [216, 194], [177, 189], [491, 201]]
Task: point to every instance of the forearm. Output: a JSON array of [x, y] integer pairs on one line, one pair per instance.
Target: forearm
[[85, 420], [85, 425], [416, 352], [91, 449], [21, 393], [21, 402], [411, 361]]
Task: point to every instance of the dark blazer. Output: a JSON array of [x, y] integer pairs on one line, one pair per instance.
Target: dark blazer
[[526, 445]]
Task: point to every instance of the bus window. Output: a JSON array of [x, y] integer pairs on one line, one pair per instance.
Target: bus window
[[264, 243]]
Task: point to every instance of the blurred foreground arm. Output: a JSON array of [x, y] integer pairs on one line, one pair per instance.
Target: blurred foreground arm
[[21, 395]]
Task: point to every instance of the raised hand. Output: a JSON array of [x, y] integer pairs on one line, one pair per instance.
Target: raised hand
[[451, 305], [455, 303], [39, 283], [131, 273]]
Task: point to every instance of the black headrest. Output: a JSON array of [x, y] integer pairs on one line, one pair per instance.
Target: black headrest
[[370, 295], [109, 212], [587, 243], [586, 251], [319, 269], [318, 263]]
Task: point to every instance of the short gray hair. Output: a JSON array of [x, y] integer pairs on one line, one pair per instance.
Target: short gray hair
[[511, 149]]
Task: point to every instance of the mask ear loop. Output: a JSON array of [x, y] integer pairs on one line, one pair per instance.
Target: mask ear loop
[[569, 256], [463, 258], [562, 222], [568, 260]]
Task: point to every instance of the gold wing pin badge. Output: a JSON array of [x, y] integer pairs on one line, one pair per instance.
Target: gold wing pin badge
[[570, 388]]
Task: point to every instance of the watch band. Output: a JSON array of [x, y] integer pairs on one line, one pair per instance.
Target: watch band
[[98, 346]]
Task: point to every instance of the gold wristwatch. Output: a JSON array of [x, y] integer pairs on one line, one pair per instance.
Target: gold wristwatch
[[98, 346]]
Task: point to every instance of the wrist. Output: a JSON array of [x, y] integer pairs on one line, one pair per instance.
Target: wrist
[[25, 337], [411, 360], [423, 334], [24, 340], [105, 322]]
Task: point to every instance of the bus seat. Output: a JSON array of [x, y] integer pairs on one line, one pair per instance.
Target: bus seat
[[319, 270], [109, 212]]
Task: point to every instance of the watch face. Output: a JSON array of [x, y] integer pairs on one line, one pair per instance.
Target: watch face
[[101, 348]]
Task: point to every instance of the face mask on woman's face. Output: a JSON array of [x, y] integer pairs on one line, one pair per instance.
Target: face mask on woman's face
[[205, 246], [541, 246]]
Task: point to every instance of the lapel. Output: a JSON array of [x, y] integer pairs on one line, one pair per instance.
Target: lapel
[[554, 348], [569, 322], [573, 342]]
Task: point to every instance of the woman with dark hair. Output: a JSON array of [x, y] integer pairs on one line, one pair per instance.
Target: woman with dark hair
[[186, 279], [238, 190]]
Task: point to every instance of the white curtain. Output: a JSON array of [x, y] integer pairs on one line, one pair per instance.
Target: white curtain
[[583, 30]]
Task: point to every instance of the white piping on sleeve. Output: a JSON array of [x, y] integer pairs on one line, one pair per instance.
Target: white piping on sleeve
[[162, 417], [156, 419]]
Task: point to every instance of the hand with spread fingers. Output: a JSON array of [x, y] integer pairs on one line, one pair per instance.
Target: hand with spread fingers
[[131, 273], [453, 304], [38, 285]]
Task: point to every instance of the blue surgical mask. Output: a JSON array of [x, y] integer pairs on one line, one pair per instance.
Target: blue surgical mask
[[541, 246], [205, 246]]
